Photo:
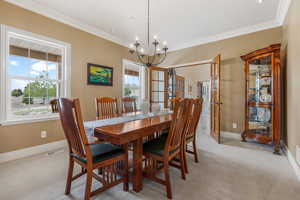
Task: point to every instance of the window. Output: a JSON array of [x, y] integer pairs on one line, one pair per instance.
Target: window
[[34, 70], [134, 81]]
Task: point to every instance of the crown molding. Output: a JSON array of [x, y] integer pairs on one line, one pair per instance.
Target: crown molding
[[53, 14], [227, 35], [282, 11]]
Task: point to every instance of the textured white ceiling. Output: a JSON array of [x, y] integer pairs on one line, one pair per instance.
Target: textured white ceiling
[[182, 23]]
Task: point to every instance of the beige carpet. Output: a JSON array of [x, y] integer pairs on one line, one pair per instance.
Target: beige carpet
[[231, 171]]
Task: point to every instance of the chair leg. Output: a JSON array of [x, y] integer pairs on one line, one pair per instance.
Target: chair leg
[[88, 186], [167, 177], [126, 173], [182, 164], [70, 175], [195, 150], [184, 159]]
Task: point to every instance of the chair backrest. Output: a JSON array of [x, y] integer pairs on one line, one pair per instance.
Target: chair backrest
[[179, 118], [128, 104], [107, 107], [54, 106], [72, 123], [173, 102], [193, 117]]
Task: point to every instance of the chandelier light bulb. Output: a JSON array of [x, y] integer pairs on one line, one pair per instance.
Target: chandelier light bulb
[[155, 37], [259, 1], [136, 38], [165, 43], [142, 50], [131, 46]]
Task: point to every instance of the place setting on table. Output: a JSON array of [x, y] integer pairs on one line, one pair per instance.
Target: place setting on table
[[155, 138]]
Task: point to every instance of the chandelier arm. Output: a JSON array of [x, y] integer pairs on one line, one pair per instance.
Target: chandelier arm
[[140, 57], [162, 59], [154, 56]]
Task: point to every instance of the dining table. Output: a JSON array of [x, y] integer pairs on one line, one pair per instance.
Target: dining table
[[130, 128]]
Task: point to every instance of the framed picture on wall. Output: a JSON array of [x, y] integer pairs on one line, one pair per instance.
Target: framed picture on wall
[[99, 75]]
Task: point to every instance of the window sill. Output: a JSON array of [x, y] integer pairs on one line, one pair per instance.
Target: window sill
[[29, 120]]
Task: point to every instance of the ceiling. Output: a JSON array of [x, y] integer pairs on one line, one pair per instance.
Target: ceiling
[[182, 23]]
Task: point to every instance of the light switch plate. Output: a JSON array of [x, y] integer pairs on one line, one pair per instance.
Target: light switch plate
[[234, 125], [43, 134]]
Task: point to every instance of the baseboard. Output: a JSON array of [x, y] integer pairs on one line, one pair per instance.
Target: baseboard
[[293, 162], [231, 135], [22, 153]]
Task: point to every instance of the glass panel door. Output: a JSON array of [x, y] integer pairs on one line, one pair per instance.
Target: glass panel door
[[158, 92], [260, 96]]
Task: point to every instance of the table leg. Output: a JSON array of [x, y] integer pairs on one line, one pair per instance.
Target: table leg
[[137, 179]]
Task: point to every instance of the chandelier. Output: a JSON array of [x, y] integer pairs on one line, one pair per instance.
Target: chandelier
[[144, 54]]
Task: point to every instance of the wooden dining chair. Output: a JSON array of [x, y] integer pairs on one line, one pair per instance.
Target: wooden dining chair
[[173, 101], [91, 155], [191, 129], [165, 149], [128, 105], [106, 107], [54, 105]]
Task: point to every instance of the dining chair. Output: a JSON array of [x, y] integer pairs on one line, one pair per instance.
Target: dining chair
[[54, 106], [173, 101], [191, 129], [89, 154], [164, 149], [106, 107], [128, 105]]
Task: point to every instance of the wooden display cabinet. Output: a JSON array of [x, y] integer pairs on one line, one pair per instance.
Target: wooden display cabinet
[[263, 96]]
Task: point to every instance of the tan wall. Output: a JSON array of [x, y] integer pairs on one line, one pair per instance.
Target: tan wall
[[85, 48], [233, 79], [291, 55]]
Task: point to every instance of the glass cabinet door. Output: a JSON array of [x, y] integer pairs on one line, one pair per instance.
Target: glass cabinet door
[[260, 96]]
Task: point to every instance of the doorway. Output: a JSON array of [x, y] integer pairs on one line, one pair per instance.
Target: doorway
[[188, 80], [180, 86], [203, 88]]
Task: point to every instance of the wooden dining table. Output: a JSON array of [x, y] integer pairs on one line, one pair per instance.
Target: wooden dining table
[[134, 132]]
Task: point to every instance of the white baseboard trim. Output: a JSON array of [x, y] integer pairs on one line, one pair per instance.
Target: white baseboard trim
[[231, 135], [22, 153], [293, 162]]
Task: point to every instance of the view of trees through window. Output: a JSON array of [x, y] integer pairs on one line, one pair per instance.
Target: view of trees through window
[[33, 83], [132, 87]]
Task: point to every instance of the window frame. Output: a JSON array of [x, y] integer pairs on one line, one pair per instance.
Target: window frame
[[5, 33], [142, 79]]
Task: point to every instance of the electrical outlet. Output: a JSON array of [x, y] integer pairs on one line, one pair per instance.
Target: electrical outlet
[[234, 125], [298, 154], [43, 134]]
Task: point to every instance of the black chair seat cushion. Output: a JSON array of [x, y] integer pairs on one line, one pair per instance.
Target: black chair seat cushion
[[102, 152], [157, 146], [165, 133]]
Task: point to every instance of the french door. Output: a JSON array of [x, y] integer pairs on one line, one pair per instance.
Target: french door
[[215, 98], [179, 90], [159, 86]]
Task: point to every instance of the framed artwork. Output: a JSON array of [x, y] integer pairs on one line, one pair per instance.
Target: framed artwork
[[99, 75]]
